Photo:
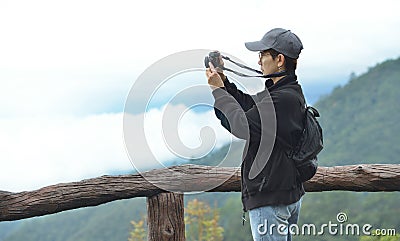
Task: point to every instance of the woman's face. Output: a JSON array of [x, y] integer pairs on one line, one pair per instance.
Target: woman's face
[[267, 63]]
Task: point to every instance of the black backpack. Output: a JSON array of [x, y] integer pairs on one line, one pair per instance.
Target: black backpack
[[309, 145]]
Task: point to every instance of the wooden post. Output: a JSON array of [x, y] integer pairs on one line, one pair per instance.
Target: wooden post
[[165, 213]]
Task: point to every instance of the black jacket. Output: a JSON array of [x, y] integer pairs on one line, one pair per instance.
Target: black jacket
[[270, 122]]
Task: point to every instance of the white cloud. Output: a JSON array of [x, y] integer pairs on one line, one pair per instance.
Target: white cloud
[[41, 151], [128, 35], [80, 57], [183, 132], [62, 63]]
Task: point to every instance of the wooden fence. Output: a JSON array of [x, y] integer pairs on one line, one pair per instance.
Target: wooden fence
[[165, 209]]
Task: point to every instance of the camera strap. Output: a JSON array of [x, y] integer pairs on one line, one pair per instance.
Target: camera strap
[[277, 74]]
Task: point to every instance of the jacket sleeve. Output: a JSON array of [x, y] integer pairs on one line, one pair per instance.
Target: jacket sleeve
[[244, 123], [245, 101], [277, 116]]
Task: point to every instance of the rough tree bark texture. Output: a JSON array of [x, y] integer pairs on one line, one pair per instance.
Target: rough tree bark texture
[[165, 217], [92, 192]]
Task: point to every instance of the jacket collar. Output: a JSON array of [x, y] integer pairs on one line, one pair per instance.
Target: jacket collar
[[289, 79]]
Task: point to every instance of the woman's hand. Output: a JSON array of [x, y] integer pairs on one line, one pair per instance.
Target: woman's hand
[[214, 78]]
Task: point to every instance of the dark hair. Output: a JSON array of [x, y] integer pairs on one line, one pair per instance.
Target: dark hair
[[290, 63]]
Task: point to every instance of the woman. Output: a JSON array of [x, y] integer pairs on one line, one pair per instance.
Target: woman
[[271, 123]]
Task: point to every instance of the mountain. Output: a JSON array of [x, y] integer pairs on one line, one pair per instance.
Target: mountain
[[360, 119], [359, 123], [110, 221]]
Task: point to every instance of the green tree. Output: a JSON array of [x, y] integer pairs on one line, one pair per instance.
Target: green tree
[[380, 238], [139, 232], [202, 222]]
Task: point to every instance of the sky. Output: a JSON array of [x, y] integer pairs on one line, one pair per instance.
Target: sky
[[66, 68]]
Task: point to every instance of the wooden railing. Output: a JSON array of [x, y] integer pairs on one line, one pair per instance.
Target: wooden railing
[[165, 208]]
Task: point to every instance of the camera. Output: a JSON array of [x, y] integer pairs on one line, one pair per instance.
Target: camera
[[213, 57]]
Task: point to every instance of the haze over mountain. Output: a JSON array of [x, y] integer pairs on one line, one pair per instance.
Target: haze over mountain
[[360, 126]]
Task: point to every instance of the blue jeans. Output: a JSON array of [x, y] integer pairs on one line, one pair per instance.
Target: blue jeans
[[271, 223]]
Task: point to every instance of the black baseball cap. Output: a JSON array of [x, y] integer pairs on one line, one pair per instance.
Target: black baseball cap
[[279, 39]]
